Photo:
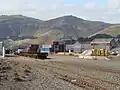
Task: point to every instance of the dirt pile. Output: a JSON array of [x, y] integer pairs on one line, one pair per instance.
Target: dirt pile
[[13, 74], [27, 74], [10, 71]]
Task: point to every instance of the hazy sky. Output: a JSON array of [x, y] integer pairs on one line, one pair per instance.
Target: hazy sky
[[105, 10]]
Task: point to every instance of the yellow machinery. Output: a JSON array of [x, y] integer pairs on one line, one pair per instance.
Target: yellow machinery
[[99, 52]]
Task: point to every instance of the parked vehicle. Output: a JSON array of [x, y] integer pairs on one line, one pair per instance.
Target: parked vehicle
[[45, 50]]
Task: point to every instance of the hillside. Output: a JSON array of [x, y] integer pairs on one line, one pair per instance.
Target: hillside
[[69, 26], [74, 27], [18, 25], [112, 30]]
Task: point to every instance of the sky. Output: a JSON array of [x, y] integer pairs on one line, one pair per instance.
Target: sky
[[95, 10]]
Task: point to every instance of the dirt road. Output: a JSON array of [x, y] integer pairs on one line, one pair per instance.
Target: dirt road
[[59, 73]]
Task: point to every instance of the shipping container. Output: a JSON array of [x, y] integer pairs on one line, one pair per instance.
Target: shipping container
[[62, 48], [33, 48]]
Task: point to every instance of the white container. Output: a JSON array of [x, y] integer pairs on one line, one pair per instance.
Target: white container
[[46, 46]]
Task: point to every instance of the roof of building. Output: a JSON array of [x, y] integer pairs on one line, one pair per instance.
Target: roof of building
[[102, 40], [77, 43], [117, 39]]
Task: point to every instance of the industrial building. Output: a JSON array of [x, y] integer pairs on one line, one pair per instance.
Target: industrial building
[[103, 47], [107, 44], [78, 47]]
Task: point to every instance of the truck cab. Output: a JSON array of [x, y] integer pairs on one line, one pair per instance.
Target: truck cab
[[45, 50]]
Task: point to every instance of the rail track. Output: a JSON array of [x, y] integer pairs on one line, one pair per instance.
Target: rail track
[[84, 81]]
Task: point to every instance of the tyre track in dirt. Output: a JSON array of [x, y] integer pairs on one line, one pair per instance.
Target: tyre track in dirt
[[85, 77]]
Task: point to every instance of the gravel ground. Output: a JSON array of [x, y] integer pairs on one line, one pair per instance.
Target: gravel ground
[[21, 73]]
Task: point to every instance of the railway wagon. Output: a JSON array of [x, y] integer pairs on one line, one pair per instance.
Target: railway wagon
[[33, 51]]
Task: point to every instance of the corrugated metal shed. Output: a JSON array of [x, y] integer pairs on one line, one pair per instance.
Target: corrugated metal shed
[[78, 47], [69, 47], [87, 46]]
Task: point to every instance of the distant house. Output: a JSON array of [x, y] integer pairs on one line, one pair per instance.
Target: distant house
[[108, 44]]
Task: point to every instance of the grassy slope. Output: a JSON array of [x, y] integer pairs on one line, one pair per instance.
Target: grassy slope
[[11, 17], [112, 30], [49, 35], [40, 38]]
